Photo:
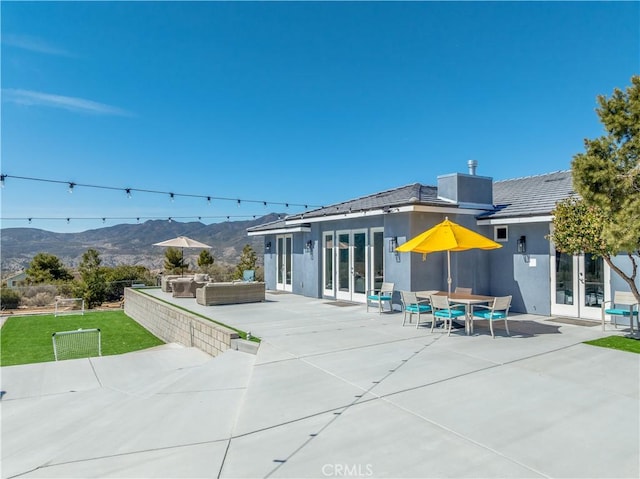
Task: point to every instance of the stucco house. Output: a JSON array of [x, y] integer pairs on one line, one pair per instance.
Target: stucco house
[[16, 280], [341, 251]]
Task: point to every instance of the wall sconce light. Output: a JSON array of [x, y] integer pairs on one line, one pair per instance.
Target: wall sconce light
[[308, 246], [393, 244], [267, 246], [522, 244]]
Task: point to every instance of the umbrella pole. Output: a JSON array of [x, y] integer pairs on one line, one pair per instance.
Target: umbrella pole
[[449, 270]]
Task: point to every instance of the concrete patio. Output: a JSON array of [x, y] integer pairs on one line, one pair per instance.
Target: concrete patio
[[334, 391]]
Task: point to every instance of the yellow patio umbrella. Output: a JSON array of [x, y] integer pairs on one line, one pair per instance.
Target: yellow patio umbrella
[[447, 236]]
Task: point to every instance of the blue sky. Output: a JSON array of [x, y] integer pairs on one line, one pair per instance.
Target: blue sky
[[290, 102]]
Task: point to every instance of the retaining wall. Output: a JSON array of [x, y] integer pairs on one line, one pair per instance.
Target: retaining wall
[[174, 325]]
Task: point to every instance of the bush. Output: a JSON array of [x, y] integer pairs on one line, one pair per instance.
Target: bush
[[219, 273], [9, 298], [39, 295]]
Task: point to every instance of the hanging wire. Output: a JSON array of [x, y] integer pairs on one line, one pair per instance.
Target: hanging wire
[[128, 191]]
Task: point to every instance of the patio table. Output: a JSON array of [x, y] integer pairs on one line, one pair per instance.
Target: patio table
[[461, 298]]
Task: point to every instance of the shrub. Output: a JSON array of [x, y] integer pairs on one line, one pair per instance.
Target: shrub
[[9, 298], [39, 295]]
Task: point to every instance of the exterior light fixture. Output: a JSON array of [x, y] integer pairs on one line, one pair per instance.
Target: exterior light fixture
[[308, 247], [522, 244], [393, 244], [267, 246]]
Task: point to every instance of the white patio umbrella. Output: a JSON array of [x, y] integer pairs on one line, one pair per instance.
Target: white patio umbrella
[[182, 242]]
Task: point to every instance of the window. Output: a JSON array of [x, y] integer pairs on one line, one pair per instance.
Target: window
[[500, 234]]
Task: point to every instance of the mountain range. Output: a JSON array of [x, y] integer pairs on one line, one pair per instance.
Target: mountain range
[[130, 244]]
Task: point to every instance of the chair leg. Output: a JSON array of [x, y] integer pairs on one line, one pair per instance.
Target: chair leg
[[491, 328], [506, 326], [418, 320]]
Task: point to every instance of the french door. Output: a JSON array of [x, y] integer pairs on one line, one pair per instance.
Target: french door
[[351, 265], [284, 262], [328, 264], [578, 285]]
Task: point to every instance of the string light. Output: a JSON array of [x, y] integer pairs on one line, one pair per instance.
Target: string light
[[171, 195], [103, 219]]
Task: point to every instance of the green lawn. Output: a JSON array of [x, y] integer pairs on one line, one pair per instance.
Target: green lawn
[[618, 342], [27, 339]]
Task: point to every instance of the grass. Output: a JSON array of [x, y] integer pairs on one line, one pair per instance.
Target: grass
[[27, 339], [621, 343]]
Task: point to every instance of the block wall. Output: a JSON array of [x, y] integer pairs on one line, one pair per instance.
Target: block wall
[[174, 325]]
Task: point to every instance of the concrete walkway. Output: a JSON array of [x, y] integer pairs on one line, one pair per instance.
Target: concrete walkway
[[334, 391]]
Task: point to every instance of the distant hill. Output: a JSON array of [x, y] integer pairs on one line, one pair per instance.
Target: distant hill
[[129, 243]]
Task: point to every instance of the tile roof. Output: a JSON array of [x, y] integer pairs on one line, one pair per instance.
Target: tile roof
[[519, 197], [530, 195], [415, 193]]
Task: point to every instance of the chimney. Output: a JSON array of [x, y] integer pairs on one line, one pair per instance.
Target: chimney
[[472, 164]]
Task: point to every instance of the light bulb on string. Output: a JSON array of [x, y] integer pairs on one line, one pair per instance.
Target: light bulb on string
[[71, 186]]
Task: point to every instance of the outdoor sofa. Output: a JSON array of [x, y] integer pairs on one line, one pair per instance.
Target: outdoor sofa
[[230, 293], [186, 286], [165, 282]]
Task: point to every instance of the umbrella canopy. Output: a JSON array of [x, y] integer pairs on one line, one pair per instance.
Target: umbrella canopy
[[182, 242], [447, 236]]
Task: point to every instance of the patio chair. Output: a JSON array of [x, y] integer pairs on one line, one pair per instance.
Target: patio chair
[[379, 296], [623, 304], [443, 309], [412, 305], [463, 290], [496, 311]]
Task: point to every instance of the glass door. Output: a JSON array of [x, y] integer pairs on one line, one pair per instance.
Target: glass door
[[352, 265], [377, 258], [578, 285], [283, 274], [329, 267]]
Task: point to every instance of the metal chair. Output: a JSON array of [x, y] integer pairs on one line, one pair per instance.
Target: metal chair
[[498, 310], [379, 296], [463, 290], [443, 309], [412, 305], [621, 298]]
